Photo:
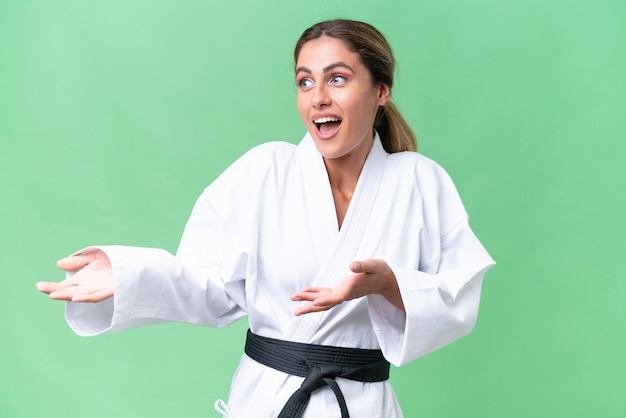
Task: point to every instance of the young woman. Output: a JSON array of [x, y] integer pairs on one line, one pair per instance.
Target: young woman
[[347, 252]]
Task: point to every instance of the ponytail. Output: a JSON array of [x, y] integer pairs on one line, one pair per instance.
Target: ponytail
[[395, 133]]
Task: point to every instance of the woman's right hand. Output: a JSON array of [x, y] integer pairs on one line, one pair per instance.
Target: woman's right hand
[[93, 282]]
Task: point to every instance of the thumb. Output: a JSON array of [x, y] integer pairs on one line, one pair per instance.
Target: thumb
[[365, 266], [361, 267], [76, 262]]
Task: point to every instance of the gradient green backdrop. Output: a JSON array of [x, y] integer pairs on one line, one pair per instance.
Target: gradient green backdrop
[[115, 114]]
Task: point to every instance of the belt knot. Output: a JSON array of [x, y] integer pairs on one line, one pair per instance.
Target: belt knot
[[318, 377], [319, 365]]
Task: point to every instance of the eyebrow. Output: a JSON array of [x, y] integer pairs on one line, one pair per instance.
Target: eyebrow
[[327, 68]]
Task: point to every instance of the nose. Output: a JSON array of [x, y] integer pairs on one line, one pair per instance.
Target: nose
[[321, 96]]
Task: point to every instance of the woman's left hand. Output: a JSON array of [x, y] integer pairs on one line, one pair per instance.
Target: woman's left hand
[[369, 277]]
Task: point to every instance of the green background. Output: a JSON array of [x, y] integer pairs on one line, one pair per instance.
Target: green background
[[115, 114]]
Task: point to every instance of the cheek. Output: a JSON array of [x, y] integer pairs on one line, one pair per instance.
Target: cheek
[[360, 109], [355, 98]]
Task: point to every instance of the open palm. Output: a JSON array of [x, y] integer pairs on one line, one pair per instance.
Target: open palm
[[92, 281]]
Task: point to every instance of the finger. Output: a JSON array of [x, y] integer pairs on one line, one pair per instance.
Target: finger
[[330, 300], [64, 294], [310, 308], [308, 296], [365, 266], [76, 261], [48, 287], [93, 296], [310, 293], [72, 281]]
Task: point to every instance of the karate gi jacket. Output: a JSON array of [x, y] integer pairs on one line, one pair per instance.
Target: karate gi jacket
[[266, 228]]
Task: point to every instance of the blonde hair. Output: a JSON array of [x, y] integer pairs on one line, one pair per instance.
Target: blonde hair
[[395, 133]]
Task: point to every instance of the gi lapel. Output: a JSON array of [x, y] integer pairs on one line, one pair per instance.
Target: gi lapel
[[319, 205], [338, 250]]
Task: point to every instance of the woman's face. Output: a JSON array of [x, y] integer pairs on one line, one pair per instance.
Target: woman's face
[[337, 99]]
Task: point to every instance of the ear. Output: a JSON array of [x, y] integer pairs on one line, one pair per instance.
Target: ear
[[384, 94]]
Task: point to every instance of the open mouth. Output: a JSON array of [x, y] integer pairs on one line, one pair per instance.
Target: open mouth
[[327, 126]]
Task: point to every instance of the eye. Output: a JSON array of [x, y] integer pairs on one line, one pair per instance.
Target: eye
[[338, 79], [305, 83]]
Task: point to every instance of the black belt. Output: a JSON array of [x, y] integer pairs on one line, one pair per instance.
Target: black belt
[[319, 365]]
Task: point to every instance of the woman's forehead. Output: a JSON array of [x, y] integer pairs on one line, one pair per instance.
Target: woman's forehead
[[320, 52]]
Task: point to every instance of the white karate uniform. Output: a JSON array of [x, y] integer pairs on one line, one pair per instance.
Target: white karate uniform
[[267, 228]]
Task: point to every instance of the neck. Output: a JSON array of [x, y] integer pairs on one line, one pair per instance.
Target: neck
[[344, 172]]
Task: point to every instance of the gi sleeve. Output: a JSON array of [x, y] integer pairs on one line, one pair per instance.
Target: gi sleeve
[[441, 295], [204, 283], [440, 308], [153, 286]]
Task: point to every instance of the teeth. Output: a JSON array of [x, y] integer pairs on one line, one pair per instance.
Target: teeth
[[326, 119]]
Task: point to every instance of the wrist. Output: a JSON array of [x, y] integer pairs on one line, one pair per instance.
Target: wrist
[[391, 290]]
